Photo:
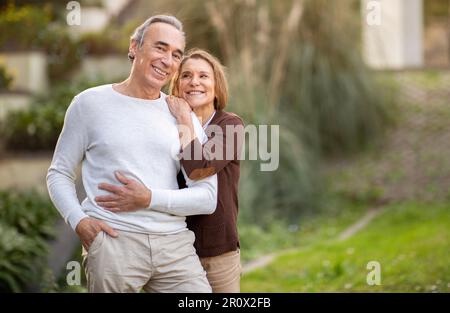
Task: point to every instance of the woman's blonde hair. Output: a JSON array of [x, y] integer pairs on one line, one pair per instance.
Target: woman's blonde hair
[[220, 81]]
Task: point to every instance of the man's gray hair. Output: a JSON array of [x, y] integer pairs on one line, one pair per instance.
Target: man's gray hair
[[139, 33]]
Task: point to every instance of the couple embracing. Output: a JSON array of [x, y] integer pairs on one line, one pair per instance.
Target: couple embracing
[[138, 148]]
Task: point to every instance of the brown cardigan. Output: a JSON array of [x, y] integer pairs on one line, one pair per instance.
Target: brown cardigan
[[216, 233]]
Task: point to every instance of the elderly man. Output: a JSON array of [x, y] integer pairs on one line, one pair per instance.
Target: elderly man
[[127, 142]]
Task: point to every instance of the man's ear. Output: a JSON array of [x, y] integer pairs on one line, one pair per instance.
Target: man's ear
[[132, 49]]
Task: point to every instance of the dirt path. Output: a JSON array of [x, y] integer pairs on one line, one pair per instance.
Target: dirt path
[[360, 224]]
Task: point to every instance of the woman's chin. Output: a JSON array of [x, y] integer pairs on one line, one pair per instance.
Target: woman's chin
[[196, 105]]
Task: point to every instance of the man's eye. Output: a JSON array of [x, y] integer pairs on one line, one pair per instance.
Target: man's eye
[[159, 48]]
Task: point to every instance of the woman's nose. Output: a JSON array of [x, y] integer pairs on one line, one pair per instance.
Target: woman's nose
[[194, 81]]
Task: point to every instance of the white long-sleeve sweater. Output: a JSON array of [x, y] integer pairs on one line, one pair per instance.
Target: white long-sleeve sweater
[[107, 131]]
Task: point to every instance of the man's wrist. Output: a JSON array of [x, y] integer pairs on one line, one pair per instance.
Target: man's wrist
[[75, 218], [148, 198], [77, 227]]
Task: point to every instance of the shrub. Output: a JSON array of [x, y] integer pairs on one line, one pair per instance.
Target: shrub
[[38, 127], [63, 53], [23, 27], [37, 28], [103, 43], [26, 223], [5, 78]]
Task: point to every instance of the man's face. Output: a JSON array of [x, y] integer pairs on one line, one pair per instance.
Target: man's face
[[160, 54]]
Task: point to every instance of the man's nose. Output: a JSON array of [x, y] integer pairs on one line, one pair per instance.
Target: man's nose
[[167, 60]]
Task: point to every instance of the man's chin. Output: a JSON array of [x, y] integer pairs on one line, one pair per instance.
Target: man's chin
[[157, 83]]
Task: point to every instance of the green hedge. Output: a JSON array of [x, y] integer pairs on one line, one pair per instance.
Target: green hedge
[[109, 41], [38, 28], [38, 127], [26, 223], [5, 78]]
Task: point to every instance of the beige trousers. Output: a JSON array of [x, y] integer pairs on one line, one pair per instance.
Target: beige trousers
[[224, 272], [154, 263]]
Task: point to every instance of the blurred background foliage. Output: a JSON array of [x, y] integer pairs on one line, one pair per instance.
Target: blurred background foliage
[[27, 221], [5, 78], [38, 127], [38, 28]]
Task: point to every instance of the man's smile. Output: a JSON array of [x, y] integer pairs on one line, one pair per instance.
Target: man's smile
[[160, 72]]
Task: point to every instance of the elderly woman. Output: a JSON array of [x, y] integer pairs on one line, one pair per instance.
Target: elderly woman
[[200, 85]]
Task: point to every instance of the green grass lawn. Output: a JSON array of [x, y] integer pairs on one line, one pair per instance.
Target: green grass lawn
[[411, 242], [257, 241]]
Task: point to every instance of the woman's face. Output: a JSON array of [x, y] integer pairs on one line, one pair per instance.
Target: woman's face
[[196, 84]]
